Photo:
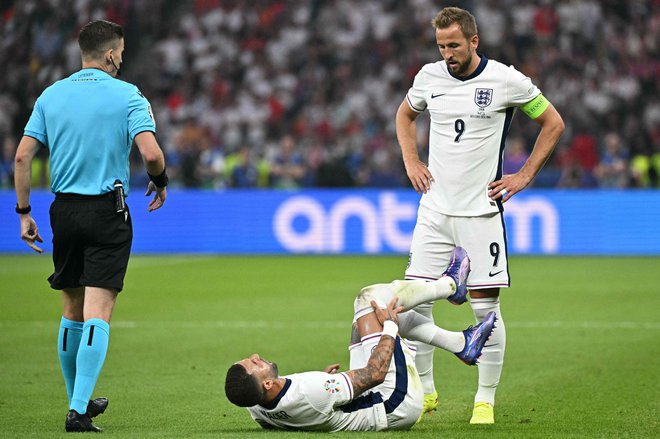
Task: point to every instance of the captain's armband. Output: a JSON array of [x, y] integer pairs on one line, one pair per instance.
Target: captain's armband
[[536, 106]]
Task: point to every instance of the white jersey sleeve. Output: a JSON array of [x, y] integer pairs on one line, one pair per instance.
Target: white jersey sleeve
[[417, 94], [326, 391], [520, 88]]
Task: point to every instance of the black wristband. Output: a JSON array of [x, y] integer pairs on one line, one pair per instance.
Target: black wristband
[[159, 180], [23, 210]]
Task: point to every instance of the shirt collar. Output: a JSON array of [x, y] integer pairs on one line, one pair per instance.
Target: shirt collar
[[91, 72], [477, 72], [271, 405]]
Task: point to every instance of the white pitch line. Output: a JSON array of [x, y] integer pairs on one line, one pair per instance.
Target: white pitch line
[[146, 263], [328, 324]]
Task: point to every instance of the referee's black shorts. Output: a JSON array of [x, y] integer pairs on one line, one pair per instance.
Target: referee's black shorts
[[91, 242]]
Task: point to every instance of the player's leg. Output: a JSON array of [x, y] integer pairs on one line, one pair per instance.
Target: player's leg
[[467, 345], [485, 240], [401, 389], [452, 285], [490, 365], [413, 325], [430, 253]]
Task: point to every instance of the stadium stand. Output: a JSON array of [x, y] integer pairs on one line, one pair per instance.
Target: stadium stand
[[303, 93]]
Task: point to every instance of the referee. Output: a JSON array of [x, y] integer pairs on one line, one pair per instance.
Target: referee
[[89, 122]]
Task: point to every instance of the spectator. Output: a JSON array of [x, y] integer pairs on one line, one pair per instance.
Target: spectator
[[288, 166], [515, 155], [7, 162], [612, 170], [245, 174], [645, 168]]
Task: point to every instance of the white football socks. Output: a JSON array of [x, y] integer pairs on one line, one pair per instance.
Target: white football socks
[[415, 292], [492, 357], [411, 293], [416, 327], [424, 356]]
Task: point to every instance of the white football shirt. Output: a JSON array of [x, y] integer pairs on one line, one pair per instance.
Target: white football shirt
[[318, 401], [470, 118]]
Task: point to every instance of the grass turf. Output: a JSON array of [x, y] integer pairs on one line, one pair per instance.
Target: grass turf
[[583, 355]]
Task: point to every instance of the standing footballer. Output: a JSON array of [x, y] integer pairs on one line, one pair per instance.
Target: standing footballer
[[89, 122], [471, 101]]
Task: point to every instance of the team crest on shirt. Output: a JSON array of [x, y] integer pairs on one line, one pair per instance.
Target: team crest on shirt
[[332, 386], [483, 97]]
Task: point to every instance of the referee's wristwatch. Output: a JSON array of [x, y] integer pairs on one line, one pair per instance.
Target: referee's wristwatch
[[23, 210]]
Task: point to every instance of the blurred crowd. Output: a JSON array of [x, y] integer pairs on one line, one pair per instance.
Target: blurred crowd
[[303, 93]]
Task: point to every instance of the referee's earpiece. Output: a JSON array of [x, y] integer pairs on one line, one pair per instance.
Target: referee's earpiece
[[112, 61]]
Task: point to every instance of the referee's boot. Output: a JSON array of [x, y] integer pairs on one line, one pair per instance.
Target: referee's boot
[[458, 270], [77, 423], [97, 407]]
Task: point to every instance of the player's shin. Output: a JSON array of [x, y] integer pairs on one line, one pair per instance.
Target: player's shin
[[411, 293], [417, 327], [492, 357], [424, 356]]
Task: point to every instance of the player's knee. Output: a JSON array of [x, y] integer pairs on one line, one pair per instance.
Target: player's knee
[[363, 300]]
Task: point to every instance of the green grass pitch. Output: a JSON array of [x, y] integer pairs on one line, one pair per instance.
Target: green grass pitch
[[583, 348]]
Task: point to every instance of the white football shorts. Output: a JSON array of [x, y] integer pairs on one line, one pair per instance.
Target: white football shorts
[[483, 237], [401, 392]]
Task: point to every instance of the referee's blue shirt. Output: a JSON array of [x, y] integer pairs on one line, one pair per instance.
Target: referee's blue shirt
[[88, 122]]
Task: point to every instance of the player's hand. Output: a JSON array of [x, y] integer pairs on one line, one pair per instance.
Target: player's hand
[[30, 232], [332, 368], [390, 312], [419, 175], [507, 186], [159, 198]]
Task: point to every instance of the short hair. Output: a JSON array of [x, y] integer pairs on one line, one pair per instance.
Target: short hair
[[242, 388], [98, 36], [463, 18]]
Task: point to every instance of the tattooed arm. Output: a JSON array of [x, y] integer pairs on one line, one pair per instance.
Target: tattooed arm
[[376, 369]]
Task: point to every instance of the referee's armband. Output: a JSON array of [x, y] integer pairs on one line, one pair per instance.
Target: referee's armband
[[536, 106]]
